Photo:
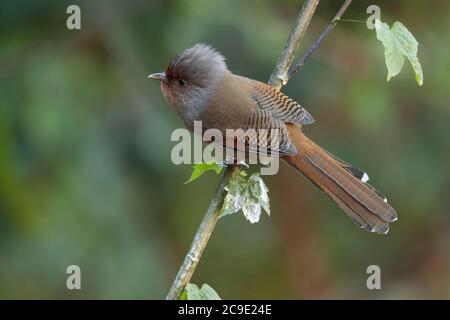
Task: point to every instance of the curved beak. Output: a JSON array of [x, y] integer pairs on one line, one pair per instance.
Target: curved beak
[[158, 76]]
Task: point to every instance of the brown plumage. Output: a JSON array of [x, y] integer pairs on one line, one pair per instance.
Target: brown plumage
[[199, 86], [361, 202]]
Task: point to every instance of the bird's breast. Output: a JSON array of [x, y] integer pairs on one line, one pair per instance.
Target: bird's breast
[[230, 105]]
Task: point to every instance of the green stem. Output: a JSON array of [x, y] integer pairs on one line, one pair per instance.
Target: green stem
[[201, 236]]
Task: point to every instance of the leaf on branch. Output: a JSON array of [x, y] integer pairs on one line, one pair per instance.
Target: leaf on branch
[[193, 292], [398, 43], [200, 168], [246, 194]]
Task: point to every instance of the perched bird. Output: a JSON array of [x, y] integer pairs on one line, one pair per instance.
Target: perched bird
[[198, 84]]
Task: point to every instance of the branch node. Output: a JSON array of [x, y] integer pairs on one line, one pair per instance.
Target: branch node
[[193, 258], [284, 78]]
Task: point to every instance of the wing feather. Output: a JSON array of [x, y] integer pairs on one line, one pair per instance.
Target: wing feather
[[279, 105], [263, 132]]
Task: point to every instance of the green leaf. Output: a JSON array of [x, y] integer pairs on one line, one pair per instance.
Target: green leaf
[[192, 292], [398, 43], [260, 191], [200, 168], [184, 295], [246, 194], [209, 292]]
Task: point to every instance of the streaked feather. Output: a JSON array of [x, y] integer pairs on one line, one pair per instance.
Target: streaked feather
[[279, 105]]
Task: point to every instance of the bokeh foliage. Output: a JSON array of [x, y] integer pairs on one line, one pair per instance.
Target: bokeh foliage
[[86, 176]]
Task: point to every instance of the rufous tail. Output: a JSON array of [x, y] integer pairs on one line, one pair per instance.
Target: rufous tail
[[343, 183]]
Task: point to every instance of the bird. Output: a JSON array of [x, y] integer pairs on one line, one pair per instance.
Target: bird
[[199, 86]]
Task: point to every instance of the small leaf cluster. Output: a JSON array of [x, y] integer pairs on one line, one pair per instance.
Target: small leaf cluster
[[193, 292], [398, 43], [249, 194]]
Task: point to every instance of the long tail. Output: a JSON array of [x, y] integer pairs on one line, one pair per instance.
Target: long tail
[[343, 183]]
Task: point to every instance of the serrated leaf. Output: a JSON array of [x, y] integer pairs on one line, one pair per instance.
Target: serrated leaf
[[398, 43], [251, 210], [231, 204], [209, 293], [263, 195], [246, 194], [201, 168], [261, 192], [193, 292]]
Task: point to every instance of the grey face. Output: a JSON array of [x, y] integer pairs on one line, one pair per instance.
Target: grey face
[[190, 79]]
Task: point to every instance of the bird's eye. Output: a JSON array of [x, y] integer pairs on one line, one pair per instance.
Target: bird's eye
[[182, 83]]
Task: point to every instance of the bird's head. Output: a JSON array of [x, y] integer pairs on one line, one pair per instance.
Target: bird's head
[[191, 77]]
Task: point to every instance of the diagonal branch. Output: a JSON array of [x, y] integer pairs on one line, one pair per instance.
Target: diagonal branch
[[279, 75], [277, 79], [319, 40], [201, 237]]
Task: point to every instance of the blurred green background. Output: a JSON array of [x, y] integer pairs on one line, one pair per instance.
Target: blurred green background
[[86, 176]]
